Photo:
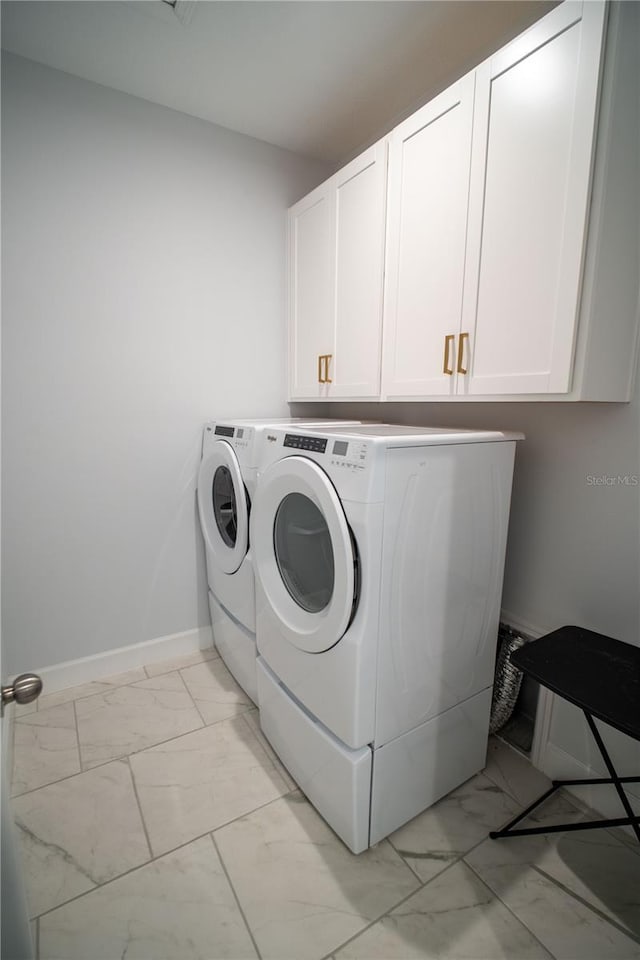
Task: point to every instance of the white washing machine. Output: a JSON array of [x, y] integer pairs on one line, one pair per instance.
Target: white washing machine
[[226, 483], [379, 553]]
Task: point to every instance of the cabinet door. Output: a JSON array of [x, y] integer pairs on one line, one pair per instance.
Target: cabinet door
[[311, 299], [429, 164], [359, 191], [535, 114]]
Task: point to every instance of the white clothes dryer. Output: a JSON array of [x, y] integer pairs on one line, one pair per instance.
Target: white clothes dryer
[[226, 484], [379, 554]]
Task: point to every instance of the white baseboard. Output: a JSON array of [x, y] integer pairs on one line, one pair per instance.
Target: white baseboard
[[111, 662], [559, 765], [522, 626]]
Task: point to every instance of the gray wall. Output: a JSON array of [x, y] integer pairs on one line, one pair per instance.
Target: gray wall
[[143, 293]]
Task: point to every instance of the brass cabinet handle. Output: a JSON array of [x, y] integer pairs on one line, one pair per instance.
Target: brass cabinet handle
[[461, 342], [323, 362], [448, 340]]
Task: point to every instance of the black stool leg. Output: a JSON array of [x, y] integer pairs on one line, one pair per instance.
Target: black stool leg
[[506, 830], [615, 779], [630, 820]]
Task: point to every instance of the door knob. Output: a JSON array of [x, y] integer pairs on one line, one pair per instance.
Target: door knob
[[24, 689]]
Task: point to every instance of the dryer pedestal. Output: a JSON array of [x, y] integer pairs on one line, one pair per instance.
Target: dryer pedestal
[[237, 647], [366, 794], [423, 765]]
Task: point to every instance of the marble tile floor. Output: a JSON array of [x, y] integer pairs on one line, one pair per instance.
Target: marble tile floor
[[156, 822]]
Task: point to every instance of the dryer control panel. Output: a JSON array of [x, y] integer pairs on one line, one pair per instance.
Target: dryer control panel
[[316, 444], [354, 464], [347, 455]]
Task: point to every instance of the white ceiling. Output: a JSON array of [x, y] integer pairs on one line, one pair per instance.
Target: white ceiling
[[323, 79]]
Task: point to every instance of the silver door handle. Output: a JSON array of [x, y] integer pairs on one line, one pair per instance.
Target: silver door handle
[[25, 689]]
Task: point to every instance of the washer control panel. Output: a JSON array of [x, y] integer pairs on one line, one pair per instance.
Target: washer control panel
[[238, 437]]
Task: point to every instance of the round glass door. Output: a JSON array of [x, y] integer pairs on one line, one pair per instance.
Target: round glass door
[[304, 554], [223, 507], [223, 499]]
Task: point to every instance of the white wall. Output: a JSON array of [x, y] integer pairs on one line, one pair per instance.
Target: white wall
[[143, 292]]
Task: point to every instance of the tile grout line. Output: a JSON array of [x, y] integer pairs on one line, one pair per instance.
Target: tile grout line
[[123, 756], [461, 859], [109, 687], [246, 723], [573, 801], [83, 768], [407, 864], [630, 843], [235, 895], [106, 883], [102, 763], [368, 926], [510, 911], [582, 809], [75, 722], [165, 853], [114, 686], [616, 832], [423, 883], [264, 751], [143, 821], [193, 701], [458, 857], [585, 903], [164, 673], [509, 789]]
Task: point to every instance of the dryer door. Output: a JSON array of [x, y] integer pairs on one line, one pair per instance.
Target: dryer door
[[222, 503], [303, 553]]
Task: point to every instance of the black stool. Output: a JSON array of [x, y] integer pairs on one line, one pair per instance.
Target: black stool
[[602, 677]]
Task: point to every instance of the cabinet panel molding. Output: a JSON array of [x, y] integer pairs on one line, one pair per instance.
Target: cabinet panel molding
[[537, 103], [429, 163]]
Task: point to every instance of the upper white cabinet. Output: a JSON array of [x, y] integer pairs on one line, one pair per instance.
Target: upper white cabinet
[[535, 114], [311, 305], [512, 239], [336, 260], [428, 192]]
